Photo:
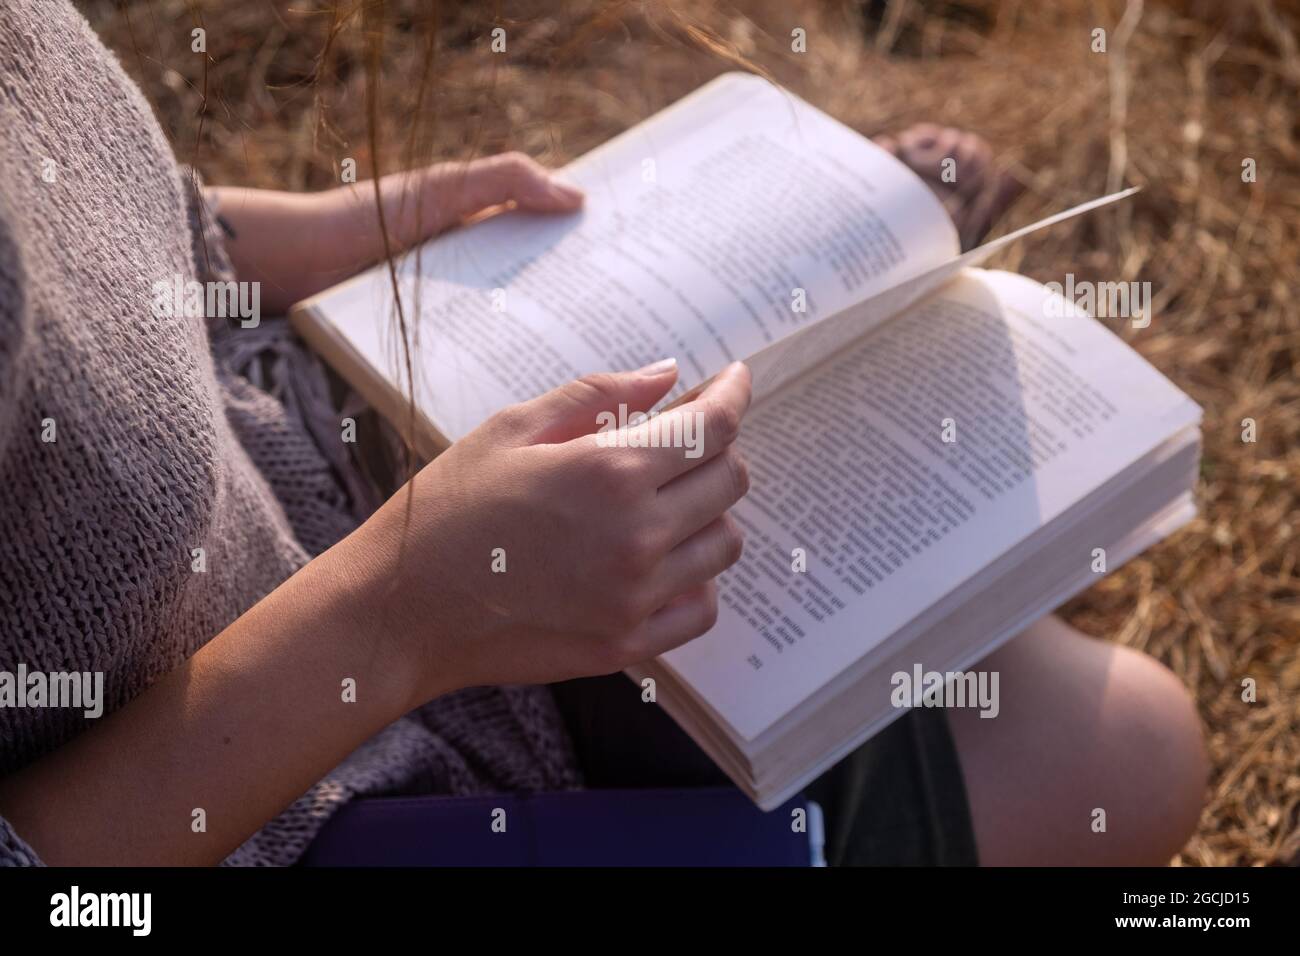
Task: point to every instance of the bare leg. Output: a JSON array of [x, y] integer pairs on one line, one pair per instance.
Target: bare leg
[[1083, 726]]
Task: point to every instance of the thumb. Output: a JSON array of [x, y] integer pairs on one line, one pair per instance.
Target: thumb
[[571, 410]]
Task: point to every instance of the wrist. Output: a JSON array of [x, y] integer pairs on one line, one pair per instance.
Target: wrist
[[363, 600], [411, 202], [390, 611]]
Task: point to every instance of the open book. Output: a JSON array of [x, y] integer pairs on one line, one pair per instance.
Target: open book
[[939, 454]]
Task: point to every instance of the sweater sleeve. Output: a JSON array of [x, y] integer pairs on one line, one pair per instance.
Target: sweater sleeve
[[211, 260], [13, 333], [13, 850]]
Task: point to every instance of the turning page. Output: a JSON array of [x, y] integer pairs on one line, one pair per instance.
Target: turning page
[[781, 362], [710, 231], [891, 475]]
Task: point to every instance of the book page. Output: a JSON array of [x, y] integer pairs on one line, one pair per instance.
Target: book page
[[709, 232], [783, 361], [894, 473]]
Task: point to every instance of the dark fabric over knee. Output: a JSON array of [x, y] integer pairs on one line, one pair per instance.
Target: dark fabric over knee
[[621, 741], [898, 800]]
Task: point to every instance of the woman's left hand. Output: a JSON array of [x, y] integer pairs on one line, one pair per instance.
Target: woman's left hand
[[450, 193], [298, 244]]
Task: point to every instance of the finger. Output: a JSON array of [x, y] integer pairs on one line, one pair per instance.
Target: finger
[[925, 143], [587, 405], [684, 618], [700, 496], [921, 136], [700, 558], [926, 147], [712, 421], [973, 158], [514, 177]]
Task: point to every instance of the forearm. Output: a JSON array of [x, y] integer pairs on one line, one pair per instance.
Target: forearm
[[240, 730], [298, 244], [293, 244]]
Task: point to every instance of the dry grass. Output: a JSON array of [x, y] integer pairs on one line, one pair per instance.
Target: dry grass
[[1197, 88]]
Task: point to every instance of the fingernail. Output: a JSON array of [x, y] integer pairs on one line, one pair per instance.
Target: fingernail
[[655, 369]]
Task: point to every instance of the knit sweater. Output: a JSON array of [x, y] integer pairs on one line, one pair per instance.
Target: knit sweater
[[127, 441]]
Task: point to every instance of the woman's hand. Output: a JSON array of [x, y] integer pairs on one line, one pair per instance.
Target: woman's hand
[[298, 244], [419, 205], [533, 551], [609, 555]]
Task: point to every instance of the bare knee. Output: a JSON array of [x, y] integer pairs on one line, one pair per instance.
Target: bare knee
[[1096, 758], [1160, 757]]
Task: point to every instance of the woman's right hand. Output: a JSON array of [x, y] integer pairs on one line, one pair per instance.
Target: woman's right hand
[[610, 554], [531, 551]]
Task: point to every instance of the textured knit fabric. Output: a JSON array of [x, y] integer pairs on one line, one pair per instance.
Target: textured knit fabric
[[160, 446]]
